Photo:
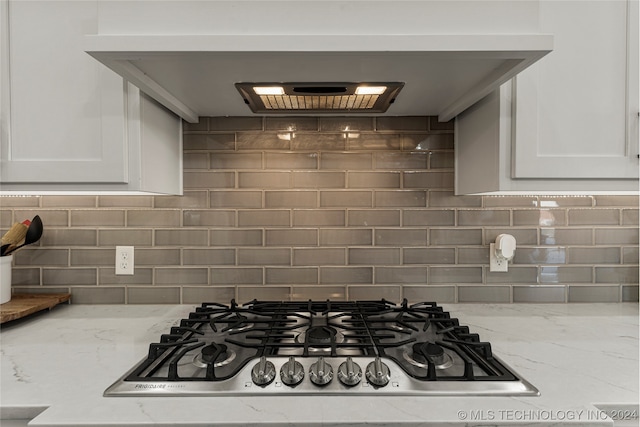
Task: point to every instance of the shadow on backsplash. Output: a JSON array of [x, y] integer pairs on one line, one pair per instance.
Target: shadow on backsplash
[[315, 207]]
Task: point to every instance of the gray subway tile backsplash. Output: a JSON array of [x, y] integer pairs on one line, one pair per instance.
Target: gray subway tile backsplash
[[296, 208], [617, 236], [291, 161], [235, 199], [373, 179], [209, 218], [440, 294], [142, 276], [201, 180], [291, 237], [319, 179], [430, 256], [401, 160], [485, 217], [351, 198], [566, 236], [153, 295], [416, 179], [199, 294], [431, 217], [594, 293], [346, 161], [125, 201], [516, 274], [484, 294], [123, 237], [267, 293], [190, 199], [376, 292], [593, 255], [374, 217], [291, 199], [334, 293], [291, 276], [408, 123], [49, 257], [99, 295], [181, 276], [235, 161], [264, 218], [427, 141], [153, 218], [291, 123], [455, 236], [181, 237], [319, 256], [209, 142], [237, 276], [96, 218], [346, 275], [541, 217], [594, 216], [71, 237], [524, 236], [455, 274], [539, 294]]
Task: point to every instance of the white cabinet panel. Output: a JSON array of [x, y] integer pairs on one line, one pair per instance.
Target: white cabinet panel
[[568, 123], [70, 124], [576, 110], [66, 111]]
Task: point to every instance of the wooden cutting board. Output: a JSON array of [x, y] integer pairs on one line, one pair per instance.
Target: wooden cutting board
[[22, 305]]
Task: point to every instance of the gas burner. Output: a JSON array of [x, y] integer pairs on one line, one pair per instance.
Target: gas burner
[[219, 354], [320, 336], [424, 353]]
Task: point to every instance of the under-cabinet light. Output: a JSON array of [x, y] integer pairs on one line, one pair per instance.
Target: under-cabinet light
[[370, 90], [268, 90]]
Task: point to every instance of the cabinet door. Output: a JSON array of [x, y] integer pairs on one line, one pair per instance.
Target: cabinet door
[[63, 111], [576, 110]]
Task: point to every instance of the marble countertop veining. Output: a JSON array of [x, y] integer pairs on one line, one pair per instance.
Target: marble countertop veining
[[59, 363]]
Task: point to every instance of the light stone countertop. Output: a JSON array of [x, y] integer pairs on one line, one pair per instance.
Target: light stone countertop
[[59, 363]]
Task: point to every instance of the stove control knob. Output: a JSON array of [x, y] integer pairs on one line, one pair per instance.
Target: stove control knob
[[263, 372], [292, 372], [349, 373], [377, 373], [320, 372]]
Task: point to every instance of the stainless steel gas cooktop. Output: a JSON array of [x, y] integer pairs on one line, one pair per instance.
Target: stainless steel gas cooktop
[[320, 348]]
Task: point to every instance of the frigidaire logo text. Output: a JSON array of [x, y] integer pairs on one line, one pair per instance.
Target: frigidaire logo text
[[158, 386], [146, 386]]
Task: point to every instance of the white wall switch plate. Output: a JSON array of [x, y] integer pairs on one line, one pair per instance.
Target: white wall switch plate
[[495, 263], [124, 260]]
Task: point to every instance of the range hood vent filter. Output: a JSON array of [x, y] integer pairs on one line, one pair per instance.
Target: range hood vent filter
[[314, 98]]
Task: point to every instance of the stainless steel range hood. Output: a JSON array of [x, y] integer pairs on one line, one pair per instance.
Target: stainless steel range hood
[[195, 75]]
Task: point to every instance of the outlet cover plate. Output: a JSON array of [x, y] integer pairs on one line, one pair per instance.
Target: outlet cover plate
[[124, 261], [495, 263]]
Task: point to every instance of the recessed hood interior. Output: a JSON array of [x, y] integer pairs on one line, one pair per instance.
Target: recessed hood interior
[[195, 75], [315, 98]]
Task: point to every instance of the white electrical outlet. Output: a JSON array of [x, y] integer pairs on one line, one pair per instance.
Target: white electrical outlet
[[124, 260], [495, 263]]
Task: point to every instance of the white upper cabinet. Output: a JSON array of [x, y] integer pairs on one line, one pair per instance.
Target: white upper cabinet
[[569, 122], [68, 122], [576, 110]]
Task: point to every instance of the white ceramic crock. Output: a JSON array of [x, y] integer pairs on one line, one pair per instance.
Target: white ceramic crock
[[5, 278]]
